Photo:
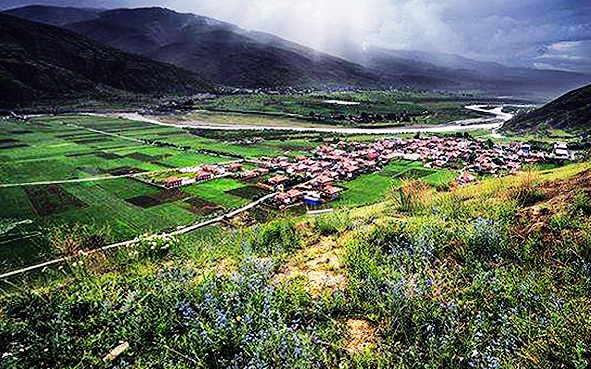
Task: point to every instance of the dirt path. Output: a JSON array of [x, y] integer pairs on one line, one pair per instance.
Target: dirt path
[[133, 242]]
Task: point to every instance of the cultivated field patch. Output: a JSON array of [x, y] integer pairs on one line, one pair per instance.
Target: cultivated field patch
[[248, 192], [92, 140], [52, 199], [120, 171], [11, 143], [107, 155], [415, 173], [158, 198], [201, 207]]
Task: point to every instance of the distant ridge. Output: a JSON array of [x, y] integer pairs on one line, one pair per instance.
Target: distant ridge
[[54, 15], [39, 61], [222, 52], [570, 112]]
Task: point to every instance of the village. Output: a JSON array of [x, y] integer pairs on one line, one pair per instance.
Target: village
[[312, 180]]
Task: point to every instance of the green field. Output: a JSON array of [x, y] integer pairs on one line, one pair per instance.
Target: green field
[[63, 148], [52, 149], [371, 188], [429, 108]]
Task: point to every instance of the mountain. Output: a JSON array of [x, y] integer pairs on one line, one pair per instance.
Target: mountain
[[54, 15], [222, 52], [231, 56], [570, 112], [41, 61], [447, 70]]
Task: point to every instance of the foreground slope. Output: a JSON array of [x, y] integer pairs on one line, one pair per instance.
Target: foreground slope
[[224, 53], [43, 61], [570, 112], [494, 274]]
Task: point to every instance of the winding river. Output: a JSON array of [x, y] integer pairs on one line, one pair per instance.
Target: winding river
[[498, 118]]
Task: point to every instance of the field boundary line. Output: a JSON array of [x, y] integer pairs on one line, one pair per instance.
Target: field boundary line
[[105, 178], [136, 240]]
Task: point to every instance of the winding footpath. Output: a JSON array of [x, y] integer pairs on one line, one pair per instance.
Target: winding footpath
[[178, 232]]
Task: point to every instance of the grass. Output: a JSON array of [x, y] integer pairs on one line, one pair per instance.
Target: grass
[[375, 187], [215, 191], [464, 277], [438, 108]]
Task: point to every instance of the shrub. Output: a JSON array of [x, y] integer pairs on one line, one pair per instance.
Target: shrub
[[333, 223], [581, 203], [487, 240], [70, 239], [412, 196], [275, 237]]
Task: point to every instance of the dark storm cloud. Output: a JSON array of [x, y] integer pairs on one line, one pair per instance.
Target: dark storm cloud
[[514, 32]]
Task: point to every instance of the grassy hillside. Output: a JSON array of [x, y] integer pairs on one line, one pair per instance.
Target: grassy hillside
[[42, 61], [571, 113], [494, 274]]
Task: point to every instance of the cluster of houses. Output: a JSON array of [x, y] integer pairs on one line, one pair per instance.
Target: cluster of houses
[[311, 179], [190, 175]]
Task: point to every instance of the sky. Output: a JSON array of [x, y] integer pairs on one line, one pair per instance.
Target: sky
[[544, 34]]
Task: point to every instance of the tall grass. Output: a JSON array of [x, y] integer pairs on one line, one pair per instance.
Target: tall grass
[[458, 279]]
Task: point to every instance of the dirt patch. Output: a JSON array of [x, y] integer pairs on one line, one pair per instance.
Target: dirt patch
[[11, 143], [319, 265], [7, 141], [78, 154], [360, 334], [144, 201], [557, 196], [107, 155], [248, 192], [123, 171], [163, 197], [141, 157], [198, 206], [52, 199], [226, 267]]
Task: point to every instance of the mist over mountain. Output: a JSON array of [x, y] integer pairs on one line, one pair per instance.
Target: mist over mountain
[[228, 55], [221, 52]]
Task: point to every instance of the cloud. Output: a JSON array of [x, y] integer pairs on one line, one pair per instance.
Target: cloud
[[507, 31], [567, 55]]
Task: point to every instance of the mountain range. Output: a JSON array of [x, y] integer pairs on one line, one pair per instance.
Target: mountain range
[[228, 55], [570, 112], [39, 61]]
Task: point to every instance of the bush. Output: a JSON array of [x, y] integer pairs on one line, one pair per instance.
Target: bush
[[581, 203], [487, 240], [333, 223], [70, 239], [275, 237]]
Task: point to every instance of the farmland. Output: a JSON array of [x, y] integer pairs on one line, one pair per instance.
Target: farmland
[[62, 148], [419, 108], [375, 187], [78, 147]]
